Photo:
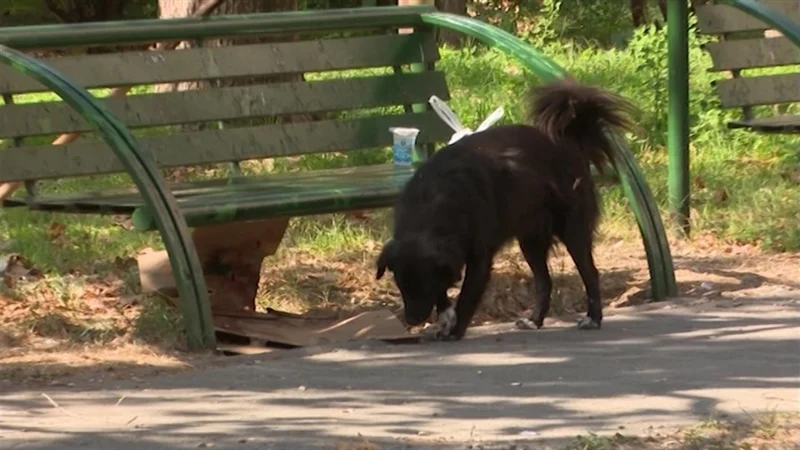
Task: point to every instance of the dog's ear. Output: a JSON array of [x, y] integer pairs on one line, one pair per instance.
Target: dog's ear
[[386, 258]]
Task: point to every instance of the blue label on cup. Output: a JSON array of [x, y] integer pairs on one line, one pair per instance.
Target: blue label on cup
[[401, 151], [403, 145]]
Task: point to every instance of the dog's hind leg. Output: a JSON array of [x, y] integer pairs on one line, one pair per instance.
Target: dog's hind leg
[[536, 248], [577, 237], [476, 278]]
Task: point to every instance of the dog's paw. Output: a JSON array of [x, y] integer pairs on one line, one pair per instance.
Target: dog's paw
[[448, 321], [445, 337], [445, 327], [524, 323], [436, 334], [587, 323]]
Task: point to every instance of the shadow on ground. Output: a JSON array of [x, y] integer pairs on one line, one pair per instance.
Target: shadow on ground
[[664, 366]]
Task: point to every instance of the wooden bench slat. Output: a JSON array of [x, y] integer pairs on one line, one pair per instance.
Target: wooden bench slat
[[762, 90], [153, 67], [205, 105], [331, 190], [753, 53], [214, 146], [719, 19], [775, 124], [257, 197]]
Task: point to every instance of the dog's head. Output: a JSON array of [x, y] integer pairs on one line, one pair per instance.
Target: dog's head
[[423, 271]]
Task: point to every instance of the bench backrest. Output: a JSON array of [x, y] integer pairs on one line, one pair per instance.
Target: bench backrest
[[340, 111], [742, 45]]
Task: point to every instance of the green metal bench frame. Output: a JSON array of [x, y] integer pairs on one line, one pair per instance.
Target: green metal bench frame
[[169, 219]]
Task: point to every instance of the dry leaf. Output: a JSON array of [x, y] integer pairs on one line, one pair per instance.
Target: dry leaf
[[721, 195], [363, 444], [55, 231], [698, 183]]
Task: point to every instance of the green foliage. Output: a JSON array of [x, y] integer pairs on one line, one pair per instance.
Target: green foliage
[[159, 323]]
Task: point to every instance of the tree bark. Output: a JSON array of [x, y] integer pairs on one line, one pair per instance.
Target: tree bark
[[639, 12], [183, 8], [451, 38]]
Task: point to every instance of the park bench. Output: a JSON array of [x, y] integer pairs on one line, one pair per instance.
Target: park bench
[[239, 218], [747, 42]]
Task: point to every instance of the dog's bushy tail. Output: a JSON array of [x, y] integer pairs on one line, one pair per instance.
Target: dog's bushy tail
[[566, 110]]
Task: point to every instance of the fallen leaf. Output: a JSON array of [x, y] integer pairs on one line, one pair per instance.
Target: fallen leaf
[[721, 195], [698, 183], [55, 231], [363, 444]]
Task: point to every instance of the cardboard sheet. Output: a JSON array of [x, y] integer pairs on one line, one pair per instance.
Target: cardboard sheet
[[258, 331], [299, 331]]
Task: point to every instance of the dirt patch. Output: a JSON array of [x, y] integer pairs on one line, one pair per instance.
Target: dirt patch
[[98, 327], [46, 361], [303, 282], [54, 326], [765, 431], [769, 431]]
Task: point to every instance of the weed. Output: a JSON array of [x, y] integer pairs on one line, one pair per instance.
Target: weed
[[158, 323], [594, 442]]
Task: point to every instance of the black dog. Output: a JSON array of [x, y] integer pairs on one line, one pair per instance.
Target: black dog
[[532, 183]]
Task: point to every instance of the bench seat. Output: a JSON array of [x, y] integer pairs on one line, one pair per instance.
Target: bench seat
[[224, 200], [747, 41], [786, 124], [248, 197]]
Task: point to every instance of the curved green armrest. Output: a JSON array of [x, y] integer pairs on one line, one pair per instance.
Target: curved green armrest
[[140, 166], [769, 16]]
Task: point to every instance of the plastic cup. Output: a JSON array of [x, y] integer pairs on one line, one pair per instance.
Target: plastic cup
[[404, 145]]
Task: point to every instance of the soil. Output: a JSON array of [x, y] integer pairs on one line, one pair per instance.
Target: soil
[[45, 339]]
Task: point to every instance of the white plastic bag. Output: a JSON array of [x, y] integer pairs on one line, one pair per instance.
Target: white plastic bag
[[450, 118]]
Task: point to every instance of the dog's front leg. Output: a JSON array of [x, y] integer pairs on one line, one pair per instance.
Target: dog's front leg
[[455, 320], [442, 304]]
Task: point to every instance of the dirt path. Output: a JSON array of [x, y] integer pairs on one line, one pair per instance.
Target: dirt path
[[651, 368]]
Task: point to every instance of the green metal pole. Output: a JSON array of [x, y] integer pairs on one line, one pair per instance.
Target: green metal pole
[[678, 131]]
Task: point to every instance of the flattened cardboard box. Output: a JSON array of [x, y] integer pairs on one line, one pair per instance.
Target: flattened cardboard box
[[277, 327]]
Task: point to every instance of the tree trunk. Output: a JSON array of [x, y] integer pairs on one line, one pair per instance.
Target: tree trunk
[[639, 12], [182, 8], [171, 9], [452, 38]]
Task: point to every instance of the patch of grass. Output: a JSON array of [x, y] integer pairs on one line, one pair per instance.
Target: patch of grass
[[781, 431], [770, 424], [158, 323], [595, 442], [59, 325], [337, 233], [62, 242]]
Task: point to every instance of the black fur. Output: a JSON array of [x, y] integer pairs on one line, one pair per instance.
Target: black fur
[[529, 182]]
